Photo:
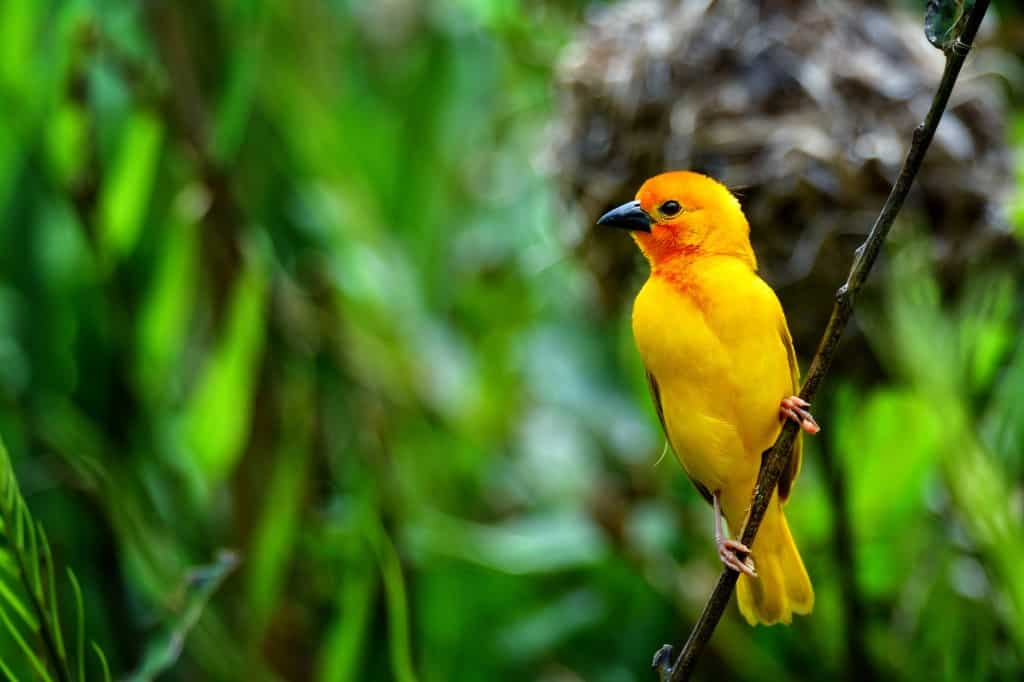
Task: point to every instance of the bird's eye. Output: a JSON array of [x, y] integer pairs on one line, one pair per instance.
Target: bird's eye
[[670, 208]]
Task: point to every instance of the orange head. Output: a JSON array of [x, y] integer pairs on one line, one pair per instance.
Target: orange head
[[683, 215]]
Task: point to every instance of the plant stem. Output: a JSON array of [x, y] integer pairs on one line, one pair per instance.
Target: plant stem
[[858, 667], [775, 460]]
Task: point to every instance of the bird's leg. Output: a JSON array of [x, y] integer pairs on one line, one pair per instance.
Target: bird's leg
[[795, 408], [727, 547]]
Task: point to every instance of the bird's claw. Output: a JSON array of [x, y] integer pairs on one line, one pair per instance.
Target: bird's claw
[[795, 408], [727, 553]]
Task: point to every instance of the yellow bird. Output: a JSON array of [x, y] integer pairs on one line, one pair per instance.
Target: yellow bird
[[722, 372]]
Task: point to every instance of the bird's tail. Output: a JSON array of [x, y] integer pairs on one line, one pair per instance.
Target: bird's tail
[[782, 587]]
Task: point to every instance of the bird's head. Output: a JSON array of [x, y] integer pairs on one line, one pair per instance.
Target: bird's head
[[684, 214]]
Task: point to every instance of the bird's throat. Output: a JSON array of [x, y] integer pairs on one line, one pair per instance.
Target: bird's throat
[[662, 252], [669, 253]]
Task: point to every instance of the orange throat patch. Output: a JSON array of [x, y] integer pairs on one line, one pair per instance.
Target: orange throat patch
[[678, 274]]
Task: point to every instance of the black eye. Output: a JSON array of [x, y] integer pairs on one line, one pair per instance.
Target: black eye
[[670, 208]]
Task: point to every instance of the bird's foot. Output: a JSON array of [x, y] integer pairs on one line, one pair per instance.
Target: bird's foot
[[727, 553], [795, 408]]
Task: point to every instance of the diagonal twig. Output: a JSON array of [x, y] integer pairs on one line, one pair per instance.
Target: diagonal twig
[[775, 460]]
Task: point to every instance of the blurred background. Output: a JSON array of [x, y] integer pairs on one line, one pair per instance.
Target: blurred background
[[313, 367]]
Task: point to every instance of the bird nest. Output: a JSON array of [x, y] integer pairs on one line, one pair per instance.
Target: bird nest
[[804, 109]]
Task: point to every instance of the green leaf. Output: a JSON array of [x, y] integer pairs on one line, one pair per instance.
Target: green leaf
[[279, 528], [33, 553], [397, 604], [103, 661], [345, 640], [217, 416], [51, 583], [236, 103], [80, 619], [944, 20], [30, 591], [7, 563], [26, 649], [7, 672], [200, 585], [169, 302], [8, 595], [129, 184], [66, 143]]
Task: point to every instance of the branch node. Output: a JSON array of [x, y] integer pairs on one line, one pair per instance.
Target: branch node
[[663, 661], [959, 48], [842, 292]]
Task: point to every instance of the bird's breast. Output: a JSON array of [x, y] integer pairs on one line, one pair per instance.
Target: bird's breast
[[715, 352], [673, 335], [691, 368]]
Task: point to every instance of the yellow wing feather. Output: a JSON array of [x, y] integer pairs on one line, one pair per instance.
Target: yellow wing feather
[[652, 384], [793, 470]]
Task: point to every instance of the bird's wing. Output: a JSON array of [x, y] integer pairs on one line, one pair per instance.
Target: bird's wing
[[652, 384], [791, 472]]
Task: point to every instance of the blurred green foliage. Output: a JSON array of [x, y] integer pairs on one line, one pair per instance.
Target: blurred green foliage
[[290, 279]]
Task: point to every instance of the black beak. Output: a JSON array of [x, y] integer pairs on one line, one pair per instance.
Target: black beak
[[629, 216]]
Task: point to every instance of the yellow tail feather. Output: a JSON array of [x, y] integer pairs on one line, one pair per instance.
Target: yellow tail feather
[[782, 587]]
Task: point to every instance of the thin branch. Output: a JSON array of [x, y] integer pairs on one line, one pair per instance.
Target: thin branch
[[775, 460]]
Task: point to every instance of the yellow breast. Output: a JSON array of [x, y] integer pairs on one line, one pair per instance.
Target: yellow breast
[[711, 338]]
